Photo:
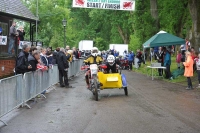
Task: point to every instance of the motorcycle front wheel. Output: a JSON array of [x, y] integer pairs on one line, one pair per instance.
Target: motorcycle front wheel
[[96, 89]]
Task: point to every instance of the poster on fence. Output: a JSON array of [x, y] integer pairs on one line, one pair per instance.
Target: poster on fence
[[3, 40], [128, 5], [21, 43]]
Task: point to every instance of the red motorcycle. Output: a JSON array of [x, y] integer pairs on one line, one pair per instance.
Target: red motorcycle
[[124, 64]]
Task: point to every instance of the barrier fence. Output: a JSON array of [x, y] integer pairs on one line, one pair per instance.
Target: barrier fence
[[11, 93], [17, 90]]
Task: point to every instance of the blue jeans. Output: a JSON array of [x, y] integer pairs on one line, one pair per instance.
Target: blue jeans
[[11, 45]]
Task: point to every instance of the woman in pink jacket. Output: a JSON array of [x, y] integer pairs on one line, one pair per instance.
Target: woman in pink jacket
[[188, 69]]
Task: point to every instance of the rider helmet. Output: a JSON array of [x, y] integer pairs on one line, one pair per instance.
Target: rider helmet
[[94, 51], [111, 60], [99, 53]]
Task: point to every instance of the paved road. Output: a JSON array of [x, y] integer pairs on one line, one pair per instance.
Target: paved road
[[151, 107]]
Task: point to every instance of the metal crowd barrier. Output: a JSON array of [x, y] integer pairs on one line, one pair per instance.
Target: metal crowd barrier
[[11, 93], [53, 73], [74, 67], [17, 90]]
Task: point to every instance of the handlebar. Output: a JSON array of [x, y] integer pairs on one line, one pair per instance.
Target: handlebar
[[102, 66], [84, 67]]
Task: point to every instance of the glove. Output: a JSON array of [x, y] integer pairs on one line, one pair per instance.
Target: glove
[[85, 63]]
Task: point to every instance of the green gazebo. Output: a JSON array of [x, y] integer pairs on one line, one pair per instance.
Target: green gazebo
[[163, 38]]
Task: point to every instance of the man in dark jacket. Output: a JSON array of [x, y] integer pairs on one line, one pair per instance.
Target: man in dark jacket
[[160, 57], [55, 54], [63, 68], [33, 60], [22, 64], [167, 63]]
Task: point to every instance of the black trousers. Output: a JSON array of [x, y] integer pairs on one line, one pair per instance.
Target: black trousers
[[140, 61], [183, 56], [189, 82], [130, 63], [63, 75], [198, 72], [194, 67], [167, 72], [160, 71]]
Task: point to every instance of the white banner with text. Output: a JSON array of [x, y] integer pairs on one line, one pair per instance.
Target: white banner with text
[[128, 5]]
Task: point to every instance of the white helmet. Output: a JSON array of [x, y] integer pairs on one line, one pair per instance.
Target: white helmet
[[111, 60], [94, 51], [99, 53]]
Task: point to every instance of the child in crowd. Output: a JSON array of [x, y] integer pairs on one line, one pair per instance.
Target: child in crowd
[[178, 59], [197, 60]]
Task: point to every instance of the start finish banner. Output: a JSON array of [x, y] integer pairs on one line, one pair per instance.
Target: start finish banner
[[106, 4]]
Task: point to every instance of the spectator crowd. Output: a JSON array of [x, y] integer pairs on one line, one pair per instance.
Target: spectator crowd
[[33, 58], [187, 59]]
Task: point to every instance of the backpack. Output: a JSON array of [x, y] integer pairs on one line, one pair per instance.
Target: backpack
[[177, 73]]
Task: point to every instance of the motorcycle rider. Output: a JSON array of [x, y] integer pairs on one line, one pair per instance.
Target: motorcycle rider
[[94, 58], [112, 64]]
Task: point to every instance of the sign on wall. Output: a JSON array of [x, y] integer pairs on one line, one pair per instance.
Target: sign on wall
[[105, 4], [3, 40], [21, 43]]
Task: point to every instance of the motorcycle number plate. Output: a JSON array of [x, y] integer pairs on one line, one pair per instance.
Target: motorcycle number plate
[[94, 69], [93, 66], [112, 78]]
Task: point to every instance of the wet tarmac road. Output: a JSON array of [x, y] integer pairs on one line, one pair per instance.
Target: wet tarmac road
[[151, 107]]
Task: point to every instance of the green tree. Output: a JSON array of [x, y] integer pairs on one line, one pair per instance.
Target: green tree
[[110, 26], [100, 43]]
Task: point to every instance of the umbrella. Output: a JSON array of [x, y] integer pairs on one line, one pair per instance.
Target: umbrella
[[163, 38]]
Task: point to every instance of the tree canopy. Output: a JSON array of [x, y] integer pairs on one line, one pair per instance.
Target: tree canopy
[[106, 27]]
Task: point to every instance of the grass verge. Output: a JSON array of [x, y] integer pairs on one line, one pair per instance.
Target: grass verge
[[179, 80]]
